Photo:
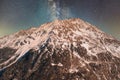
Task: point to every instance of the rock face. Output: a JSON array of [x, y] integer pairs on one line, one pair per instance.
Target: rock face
[[61, 50]]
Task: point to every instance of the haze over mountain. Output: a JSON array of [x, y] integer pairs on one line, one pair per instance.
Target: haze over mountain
[[60, 50]]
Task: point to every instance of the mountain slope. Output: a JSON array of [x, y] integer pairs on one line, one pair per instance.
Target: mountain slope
[[61, 50]]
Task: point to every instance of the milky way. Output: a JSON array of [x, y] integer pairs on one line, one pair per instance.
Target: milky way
[[57, 11]]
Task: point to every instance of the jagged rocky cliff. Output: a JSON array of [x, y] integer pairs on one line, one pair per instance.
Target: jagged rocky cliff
[[61, 50]]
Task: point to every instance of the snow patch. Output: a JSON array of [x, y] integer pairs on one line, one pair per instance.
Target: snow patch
[[59, 64], [65, 44], [73, 70]]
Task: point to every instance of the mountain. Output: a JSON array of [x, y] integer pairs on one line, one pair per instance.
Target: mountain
[[69, 49]]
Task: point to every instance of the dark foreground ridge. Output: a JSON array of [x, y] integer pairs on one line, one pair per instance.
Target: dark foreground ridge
[[61, 50]]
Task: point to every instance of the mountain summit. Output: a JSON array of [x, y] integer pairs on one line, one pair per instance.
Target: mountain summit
[[61, 50]]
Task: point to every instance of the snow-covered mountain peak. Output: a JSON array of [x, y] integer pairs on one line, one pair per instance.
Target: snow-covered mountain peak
[[71, 30], [72, 44]]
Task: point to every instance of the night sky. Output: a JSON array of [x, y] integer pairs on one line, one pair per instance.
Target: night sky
[[16, 15]]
